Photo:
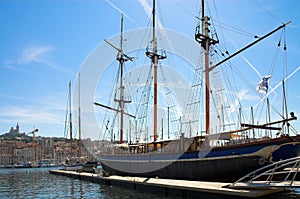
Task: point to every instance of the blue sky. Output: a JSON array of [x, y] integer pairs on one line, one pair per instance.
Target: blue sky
[[44, 43]]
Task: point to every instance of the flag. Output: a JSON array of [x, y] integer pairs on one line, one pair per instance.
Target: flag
[[263, 85]]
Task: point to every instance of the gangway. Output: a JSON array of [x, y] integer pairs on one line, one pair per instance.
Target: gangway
[[280, 174]]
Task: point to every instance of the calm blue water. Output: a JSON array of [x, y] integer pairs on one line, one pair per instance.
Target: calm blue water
[[38, 183]]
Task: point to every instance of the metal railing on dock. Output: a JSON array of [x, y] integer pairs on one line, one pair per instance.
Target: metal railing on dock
[[279, 174]]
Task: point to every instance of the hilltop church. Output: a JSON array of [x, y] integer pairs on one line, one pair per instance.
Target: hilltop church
[[15, 131]]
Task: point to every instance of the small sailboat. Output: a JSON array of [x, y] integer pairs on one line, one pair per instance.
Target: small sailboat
[[194, 157], [75, 161]]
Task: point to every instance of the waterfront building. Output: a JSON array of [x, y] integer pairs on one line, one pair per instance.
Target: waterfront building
[[18, 148]]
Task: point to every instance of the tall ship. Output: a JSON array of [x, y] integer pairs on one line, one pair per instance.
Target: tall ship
[[217, 151]]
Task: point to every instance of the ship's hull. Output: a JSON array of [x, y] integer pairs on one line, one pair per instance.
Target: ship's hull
[[73, 167], [220, 163], [224, 168], [23, 166]]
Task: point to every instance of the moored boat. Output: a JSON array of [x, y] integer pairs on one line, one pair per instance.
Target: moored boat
[[233, 153], [90, 166], [74, 162], [73, 166], [226, 163]]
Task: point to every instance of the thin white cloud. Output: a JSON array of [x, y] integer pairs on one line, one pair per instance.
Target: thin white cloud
[[148, 11], [9, 66], [146, 7], [10, 97], [39, 54], [51, 101], [45, 110], [242, 95], [120, 11], [29, 114], [36, 54]]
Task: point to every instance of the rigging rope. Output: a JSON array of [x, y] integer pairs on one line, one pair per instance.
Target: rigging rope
[[272, 15]]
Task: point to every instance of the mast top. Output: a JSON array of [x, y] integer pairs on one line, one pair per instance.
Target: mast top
[[121, 36], [153, 20]]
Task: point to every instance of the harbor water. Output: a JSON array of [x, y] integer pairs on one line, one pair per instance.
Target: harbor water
[[39, 183]]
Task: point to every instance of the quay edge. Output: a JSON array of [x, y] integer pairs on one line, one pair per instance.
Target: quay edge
[[170, 187]]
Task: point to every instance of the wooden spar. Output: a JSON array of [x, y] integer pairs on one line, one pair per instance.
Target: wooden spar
[[263, 126], [79, 119], [155, 62], [249, 45], [70, 120], [202, 37], [122, 58], [207, 81], [281, 121], [155, 57], [121, 100], [113, 109]]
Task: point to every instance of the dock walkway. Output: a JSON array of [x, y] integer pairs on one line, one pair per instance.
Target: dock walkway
[[169, 187]]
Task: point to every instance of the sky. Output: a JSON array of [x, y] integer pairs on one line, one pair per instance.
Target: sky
[[45, 43]]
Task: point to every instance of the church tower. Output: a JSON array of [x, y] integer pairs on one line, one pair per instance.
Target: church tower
[[17, 128]]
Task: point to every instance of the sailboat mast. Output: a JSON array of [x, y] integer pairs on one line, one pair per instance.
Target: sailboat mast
[[205, 30], [121, 62], [285, 107], [122, 58], [154, 56], [79, 119], [70, 120], [155, 63], [202, 37]]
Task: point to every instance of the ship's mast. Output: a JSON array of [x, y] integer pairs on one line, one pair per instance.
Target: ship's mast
[[205, 30], [155, 63], [79, 119], [70, 120], [122, 58], [154, 56], [203, 38]]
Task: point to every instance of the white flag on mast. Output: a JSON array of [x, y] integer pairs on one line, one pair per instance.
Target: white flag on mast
[[263, 85]]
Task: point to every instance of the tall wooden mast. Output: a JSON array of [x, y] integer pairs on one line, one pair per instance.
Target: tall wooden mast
[[202, 36], [70, 121], [79, 119], [205, 30], [155, 63], [154, 56], [122, 58]]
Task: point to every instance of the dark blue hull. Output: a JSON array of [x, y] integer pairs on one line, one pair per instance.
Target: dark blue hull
[[219, 163]]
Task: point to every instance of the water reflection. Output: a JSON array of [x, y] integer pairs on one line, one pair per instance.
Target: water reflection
[[72, 188], [77, 188], [38, 183]]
